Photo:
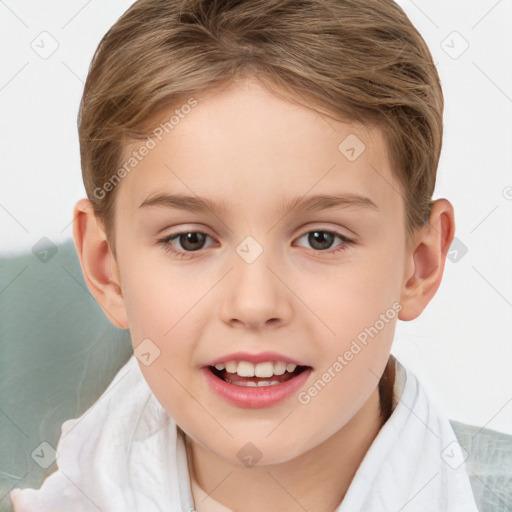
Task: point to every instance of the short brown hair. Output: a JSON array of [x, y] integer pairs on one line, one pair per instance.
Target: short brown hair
[[355, 60]]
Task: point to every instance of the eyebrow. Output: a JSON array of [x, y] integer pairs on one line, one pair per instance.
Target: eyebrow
[[303, 203]]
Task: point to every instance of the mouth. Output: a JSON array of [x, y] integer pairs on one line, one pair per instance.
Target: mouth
[[255, 380], [260, 375]]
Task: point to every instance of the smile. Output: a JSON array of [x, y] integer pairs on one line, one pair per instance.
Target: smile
[[255, 385], [245, 373]]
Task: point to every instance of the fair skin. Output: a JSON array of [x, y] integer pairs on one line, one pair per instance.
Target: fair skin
[[254, 152]]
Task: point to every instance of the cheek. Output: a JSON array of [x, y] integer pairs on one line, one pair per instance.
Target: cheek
[[158, 313], [358, 306], [353, 295], [158, 295], [148, 309]]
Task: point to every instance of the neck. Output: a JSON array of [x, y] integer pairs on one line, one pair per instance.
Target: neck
[[315, 481]]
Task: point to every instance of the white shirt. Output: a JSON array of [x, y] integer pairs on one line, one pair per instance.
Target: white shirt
[[125, 454]]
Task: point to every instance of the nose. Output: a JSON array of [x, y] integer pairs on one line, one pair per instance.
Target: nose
[[254, 295]]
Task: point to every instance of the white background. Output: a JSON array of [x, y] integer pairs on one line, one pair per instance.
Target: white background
[[461, 346]]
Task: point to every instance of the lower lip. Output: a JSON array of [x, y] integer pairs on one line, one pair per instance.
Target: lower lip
[[255, 397]]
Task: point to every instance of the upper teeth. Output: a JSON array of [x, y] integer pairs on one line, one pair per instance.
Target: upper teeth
[[247, 369]]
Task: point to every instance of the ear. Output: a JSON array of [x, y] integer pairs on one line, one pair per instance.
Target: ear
[[426, 259], [98, 264]]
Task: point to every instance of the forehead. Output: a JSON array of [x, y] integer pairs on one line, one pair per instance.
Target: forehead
[[248, 149]]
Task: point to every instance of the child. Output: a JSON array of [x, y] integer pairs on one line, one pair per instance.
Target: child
[[296, 143]]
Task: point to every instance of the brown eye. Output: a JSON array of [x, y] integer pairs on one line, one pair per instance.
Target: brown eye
[[191, 241], [184, 244], [321, 240]]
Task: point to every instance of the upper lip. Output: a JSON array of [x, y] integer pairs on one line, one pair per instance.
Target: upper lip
[[260, 357]]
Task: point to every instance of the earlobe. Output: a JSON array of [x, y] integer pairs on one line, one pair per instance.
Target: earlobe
[[98, 264], [427, 259]]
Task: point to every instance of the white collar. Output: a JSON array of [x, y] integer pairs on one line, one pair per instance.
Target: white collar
[[415, 462]]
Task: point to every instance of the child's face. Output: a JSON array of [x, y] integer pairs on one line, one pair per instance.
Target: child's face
[[254, 153]]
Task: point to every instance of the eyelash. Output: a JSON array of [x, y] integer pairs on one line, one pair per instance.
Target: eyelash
[[170, 249]]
